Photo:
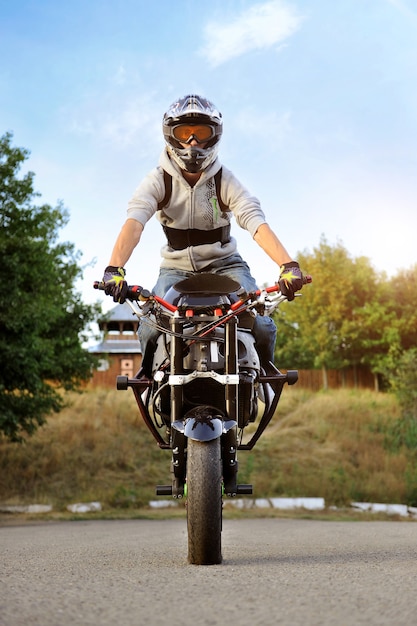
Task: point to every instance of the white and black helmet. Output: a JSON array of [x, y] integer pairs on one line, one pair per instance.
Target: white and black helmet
[[192, 110]]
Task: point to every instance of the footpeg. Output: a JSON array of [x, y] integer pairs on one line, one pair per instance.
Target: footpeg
[[166, 490], [244, 490]]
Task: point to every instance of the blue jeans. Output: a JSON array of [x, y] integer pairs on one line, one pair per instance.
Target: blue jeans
[[234, 267]]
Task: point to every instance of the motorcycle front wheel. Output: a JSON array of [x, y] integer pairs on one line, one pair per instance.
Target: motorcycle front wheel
[[204, 502]]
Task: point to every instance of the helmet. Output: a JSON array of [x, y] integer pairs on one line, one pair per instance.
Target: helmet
[[192, 109]]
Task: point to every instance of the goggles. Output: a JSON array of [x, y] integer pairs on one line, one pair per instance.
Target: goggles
[[187, 132]]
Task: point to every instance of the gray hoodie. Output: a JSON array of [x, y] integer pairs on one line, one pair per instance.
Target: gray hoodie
[[195, 208]]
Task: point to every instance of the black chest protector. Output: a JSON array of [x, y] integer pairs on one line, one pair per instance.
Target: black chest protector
[[179, 238]]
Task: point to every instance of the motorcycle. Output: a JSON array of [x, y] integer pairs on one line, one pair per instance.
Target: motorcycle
[[207, 386]]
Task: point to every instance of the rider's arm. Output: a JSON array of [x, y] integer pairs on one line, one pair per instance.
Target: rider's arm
[[126, 242], [269, 242]]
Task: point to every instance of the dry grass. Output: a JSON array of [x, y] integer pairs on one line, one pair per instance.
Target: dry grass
[[338, 445], [96, 449], [334, 445]]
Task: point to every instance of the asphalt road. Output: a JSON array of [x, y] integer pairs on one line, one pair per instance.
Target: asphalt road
[[128, 573]]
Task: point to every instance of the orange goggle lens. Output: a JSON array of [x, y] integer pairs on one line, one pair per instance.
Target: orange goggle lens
[[186, 132]]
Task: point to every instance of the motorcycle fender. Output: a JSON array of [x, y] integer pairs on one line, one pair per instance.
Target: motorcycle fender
[[203, 426], [227, 425], [201, 431]]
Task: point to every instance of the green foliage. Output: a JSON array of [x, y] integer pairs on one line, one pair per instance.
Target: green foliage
[[42, 318], [325, 316], [403, 303], [404, 383], [350, 315]]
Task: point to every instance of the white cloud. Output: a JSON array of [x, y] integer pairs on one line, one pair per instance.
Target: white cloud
[[121, 117], [261, 26]]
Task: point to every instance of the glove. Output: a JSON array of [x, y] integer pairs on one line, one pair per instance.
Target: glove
[[115, 284], [290, 279]]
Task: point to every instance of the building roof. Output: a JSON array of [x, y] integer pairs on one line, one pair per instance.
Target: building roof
[[120, 313], [119, 346]]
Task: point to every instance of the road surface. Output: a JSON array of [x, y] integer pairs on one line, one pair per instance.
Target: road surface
[[275, 572]]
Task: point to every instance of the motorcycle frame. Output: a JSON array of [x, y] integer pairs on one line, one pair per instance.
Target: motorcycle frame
[[226, 426], [274, 377]]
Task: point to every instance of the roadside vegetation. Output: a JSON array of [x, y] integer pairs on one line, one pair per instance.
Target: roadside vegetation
[[58, 447], [43, 320], [341, 445]]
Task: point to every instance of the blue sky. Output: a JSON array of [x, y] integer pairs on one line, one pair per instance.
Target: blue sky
[[319, 100]]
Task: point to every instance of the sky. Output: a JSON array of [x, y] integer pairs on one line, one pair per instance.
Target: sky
[[319, 102]]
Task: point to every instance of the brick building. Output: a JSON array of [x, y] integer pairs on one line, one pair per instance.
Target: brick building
[[119, 351]]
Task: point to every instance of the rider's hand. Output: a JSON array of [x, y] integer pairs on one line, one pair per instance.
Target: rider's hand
[[290, 279], [114, 283]]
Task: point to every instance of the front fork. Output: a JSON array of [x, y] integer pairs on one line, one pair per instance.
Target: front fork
[[229, 439], [228, 434]]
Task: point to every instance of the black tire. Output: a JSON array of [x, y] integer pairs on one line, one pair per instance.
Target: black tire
[[204, 502]]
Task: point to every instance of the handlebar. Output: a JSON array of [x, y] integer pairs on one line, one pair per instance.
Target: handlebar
[[136, 293], [236, 305]]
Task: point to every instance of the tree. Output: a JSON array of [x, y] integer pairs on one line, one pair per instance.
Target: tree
[[386, 325], [403, 303], [42, 319], [334, 324], [404, 383]]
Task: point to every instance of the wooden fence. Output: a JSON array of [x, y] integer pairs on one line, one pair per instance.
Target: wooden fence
[[349, 378]]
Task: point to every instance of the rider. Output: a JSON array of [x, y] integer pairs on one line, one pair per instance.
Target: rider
[[184, 195]]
